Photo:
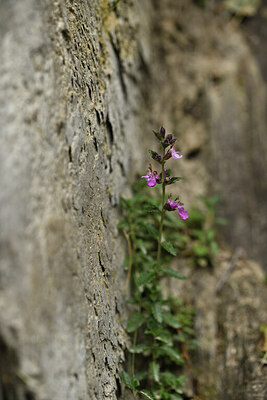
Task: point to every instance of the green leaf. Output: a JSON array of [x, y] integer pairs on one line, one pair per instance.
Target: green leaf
[[135, 321], [176, 397], [199, 250], [130, 381], [122, 224], [170, 320], [126, 379], [124, 202], [151, 208], [173, 354], [144, 278], [221, 221], [140, 349], [214, 247], [158, 135], [212, 201], [155, 156], [168, 247], [160, 333], [174, 179], [146, 394], [168, 378], [152, 231], [173, 273], [154, 369], [156, 311]]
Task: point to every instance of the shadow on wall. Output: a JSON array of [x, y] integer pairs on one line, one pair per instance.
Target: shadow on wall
[[12, 386]]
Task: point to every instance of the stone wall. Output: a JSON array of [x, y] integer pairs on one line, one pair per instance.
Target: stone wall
[[69, 80]]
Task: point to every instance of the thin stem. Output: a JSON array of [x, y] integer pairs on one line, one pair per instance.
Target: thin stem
[[133, 356], [133, 363], [162, 209], [130, 260]]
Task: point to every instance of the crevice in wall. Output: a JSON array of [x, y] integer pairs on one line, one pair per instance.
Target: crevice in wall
[[12, 386]]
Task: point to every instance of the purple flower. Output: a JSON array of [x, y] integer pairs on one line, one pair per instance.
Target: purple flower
[[152, 178], [182, 212], [171, 205], [175, 154]]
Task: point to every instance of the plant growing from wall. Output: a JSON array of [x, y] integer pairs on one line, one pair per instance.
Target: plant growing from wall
[[161, 327]]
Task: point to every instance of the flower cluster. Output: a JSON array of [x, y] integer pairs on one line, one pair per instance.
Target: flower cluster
[[153, 178], [172, 205]]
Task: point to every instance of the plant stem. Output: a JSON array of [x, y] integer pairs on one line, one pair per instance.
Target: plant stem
[[130, 260], [162, 209], [133, 356]]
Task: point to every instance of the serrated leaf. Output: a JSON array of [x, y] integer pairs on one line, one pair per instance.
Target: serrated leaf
[[155, 155], [135, 321], [160, 333], [144, 278], [146, 394], [173, 354], [157, 312], [169, 378], [170, 320], [174, 179], [168, 247], [171, 272], [152, 231], [154, 369]]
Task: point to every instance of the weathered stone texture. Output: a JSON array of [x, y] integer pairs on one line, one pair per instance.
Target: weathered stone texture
[[67, 111]]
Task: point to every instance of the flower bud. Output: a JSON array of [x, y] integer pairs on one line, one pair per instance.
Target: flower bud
[[162, 132], [169, 140]]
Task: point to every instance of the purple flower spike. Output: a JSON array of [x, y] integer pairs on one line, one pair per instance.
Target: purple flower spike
[[151, 177], [182, 212], [175, 154]]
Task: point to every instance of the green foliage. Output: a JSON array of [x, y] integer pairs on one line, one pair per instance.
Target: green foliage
[[155, 230], [197, 238], [161, 328], [115, 4], [202, 230]]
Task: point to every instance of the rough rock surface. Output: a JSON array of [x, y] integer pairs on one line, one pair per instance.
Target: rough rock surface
[[229, 314], [69, 77]]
